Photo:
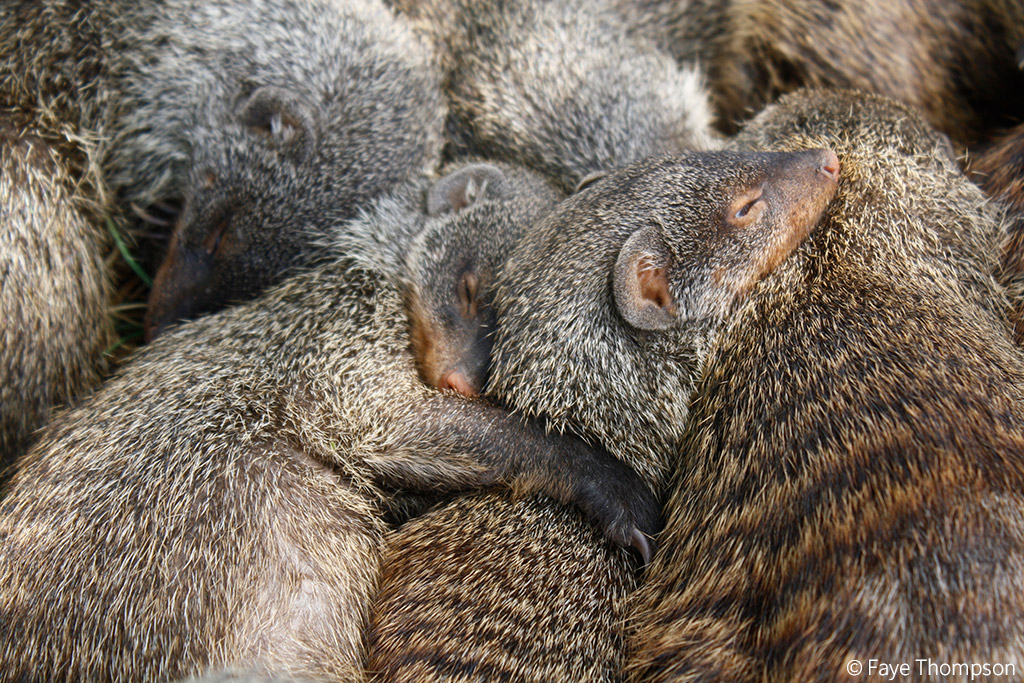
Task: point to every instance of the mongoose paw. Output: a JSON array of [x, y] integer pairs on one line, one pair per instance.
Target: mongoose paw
[[622, 504]]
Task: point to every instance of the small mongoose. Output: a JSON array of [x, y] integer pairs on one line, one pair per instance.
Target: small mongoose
[[452, 265], [955, 61], [266, 124], [218, 503], [558, 86], [601, 312], [852, 491], [998, 169]]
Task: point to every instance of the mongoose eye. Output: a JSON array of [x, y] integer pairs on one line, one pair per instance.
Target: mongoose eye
[[215, 241], [281, 128], [469, 284], [746, 209], [283, 118]]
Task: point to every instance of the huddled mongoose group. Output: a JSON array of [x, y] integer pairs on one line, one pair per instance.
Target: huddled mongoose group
[[509, 288], [218, 501]]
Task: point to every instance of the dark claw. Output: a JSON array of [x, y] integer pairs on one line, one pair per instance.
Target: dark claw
[[642, 545]]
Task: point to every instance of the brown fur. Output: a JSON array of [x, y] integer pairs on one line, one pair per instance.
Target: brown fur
[[54, 300], [955, 61], [855, 456]]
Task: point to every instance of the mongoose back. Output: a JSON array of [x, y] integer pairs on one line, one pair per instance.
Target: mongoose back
[[599, 325], [558, 87], [955, 61], [854, 465], [254, 128], [218, 503]]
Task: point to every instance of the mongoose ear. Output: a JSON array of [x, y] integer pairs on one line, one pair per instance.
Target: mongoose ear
[[283, 118], [641, 282], [589, 180], [459, 189]]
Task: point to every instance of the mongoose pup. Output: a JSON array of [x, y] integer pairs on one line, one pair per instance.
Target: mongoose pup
[[600, 321], [558, 86], [452, 265], [254, 128], [998, 168], [955, 61], [852, 491], [217, 504]]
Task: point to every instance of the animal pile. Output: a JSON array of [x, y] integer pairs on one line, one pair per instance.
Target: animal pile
[[568, 340]]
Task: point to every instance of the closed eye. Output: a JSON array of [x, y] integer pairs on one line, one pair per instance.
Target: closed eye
[[747, 208], [468, 285]]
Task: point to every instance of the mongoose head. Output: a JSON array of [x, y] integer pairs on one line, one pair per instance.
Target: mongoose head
[[269, 124], [475, 215], [606, 308], [751, 215], [275, 179]]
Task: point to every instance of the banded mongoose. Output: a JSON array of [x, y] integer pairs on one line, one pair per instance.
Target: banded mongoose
[[998, 168], [600, 322], [218, 503], [558, 86], [853, 489], [955, 61], [266, 124]]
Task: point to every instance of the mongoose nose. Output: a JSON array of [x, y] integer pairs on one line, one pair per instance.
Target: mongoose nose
[[456, 381], [829, 164]]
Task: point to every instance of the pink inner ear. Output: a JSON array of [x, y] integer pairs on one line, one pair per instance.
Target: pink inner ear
[[653, 283]]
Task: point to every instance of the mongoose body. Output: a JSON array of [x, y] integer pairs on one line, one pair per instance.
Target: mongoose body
[[219, 502], [589, 306], [955, 61], [851, 484], [50, 252], [253, 128], [998, 169], [558, 87]]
